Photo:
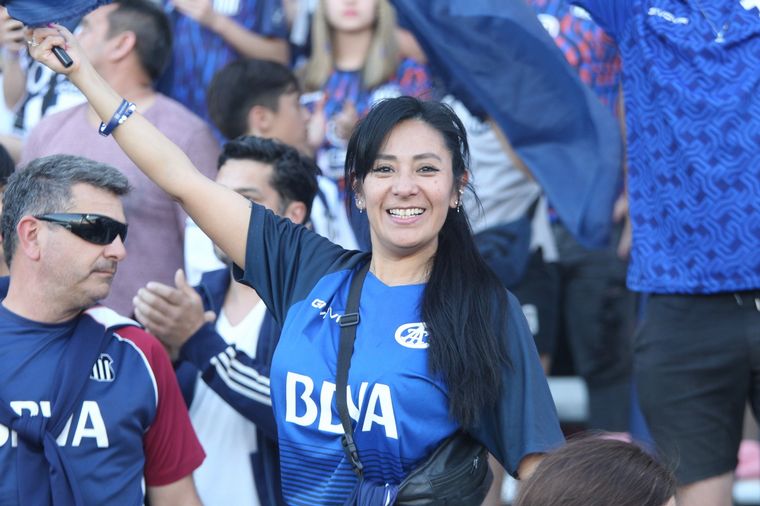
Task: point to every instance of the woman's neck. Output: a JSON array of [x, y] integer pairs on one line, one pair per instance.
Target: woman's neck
[[350, 49], [396, 270]]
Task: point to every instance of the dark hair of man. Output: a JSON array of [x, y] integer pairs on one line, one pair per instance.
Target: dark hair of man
[[240, 86], [294, 176], [463, 302], [153, 33], [7, 166], [594, 471], [44, 186]]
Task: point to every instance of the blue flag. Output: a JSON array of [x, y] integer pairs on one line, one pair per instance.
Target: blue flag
[[497, 59], [42, 12]]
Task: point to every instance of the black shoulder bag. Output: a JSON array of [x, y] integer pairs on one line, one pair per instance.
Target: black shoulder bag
[[457, 472]]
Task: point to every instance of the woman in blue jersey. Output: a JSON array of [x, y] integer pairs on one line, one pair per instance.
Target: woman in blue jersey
[[441, 345]]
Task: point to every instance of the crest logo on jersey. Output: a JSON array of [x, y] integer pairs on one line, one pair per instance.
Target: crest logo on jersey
[[102, 370], [413, 335]]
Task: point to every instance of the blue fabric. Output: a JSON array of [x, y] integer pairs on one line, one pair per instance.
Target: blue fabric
[[41, 12], [44, 474], [497, 59], [399, 409], [199, 53], [371, 494], [692, 109]]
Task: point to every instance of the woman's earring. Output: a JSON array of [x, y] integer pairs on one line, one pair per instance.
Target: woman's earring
[[360, 205], [459, 200]]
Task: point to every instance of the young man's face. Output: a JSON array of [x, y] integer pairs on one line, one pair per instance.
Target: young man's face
[[290, 121]]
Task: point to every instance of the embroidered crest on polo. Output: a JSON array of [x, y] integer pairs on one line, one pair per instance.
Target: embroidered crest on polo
[[102, 369], [413, 335]]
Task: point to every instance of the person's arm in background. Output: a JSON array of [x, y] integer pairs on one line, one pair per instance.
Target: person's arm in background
[[621, 211], [180, 493], [506, 146], [13, 42], [176, 316], [409, 47], [245, 42]]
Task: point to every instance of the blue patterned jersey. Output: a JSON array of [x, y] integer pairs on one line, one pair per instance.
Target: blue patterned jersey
[[199, 53], [399, 410], [691, 79]]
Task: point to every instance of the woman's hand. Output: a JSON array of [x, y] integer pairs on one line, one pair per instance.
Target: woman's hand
[[43, 40]]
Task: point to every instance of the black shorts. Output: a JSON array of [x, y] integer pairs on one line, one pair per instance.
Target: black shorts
[[697, 363], [538, 293]]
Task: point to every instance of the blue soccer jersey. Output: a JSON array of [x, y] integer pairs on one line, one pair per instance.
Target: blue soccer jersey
[[200, 53], [130, 429], [398, 409], [691, 75]]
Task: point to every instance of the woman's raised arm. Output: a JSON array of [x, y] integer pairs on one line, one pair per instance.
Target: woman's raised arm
[[220, 212]]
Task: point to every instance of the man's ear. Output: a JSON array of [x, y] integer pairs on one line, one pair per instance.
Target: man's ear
[[122, 45], [28, 231], [296, 212], [260, 120]]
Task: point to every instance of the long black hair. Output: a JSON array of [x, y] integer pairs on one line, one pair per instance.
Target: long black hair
[[464, 303]]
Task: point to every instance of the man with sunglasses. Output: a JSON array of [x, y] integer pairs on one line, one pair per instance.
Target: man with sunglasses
[[90, 410]]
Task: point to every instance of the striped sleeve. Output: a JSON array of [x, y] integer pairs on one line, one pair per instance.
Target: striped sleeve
[[242, 381]]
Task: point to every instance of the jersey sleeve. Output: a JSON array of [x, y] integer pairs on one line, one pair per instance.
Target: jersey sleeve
[[172, 450], [284, 261], [525, 419], [611, 15], [242, 381], [414, 79]]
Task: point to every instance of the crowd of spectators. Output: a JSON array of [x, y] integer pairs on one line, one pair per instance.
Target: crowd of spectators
[[264, 95]]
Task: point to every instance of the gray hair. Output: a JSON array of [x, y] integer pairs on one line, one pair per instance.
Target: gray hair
[[44, 186]]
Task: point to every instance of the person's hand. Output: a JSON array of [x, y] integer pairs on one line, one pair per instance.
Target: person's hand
[[200, 10], [620, 213], [11, 32], [42, 40], [345, 120], [172, 314]]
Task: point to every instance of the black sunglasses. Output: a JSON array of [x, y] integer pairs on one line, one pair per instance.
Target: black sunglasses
[[94, 228]]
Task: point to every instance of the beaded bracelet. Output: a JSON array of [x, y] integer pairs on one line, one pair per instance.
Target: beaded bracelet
[[124, 111]]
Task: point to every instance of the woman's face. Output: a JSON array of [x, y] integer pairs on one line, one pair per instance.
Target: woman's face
[[351, 15], [408, 191]]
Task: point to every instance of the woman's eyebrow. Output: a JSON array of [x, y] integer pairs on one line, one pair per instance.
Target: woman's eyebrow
[[415, 157]]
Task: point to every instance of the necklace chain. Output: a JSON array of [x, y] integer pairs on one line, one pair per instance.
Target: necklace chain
[[719, 34]]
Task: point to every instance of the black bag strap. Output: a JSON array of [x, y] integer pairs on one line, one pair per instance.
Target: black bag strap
[[348, 323]]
